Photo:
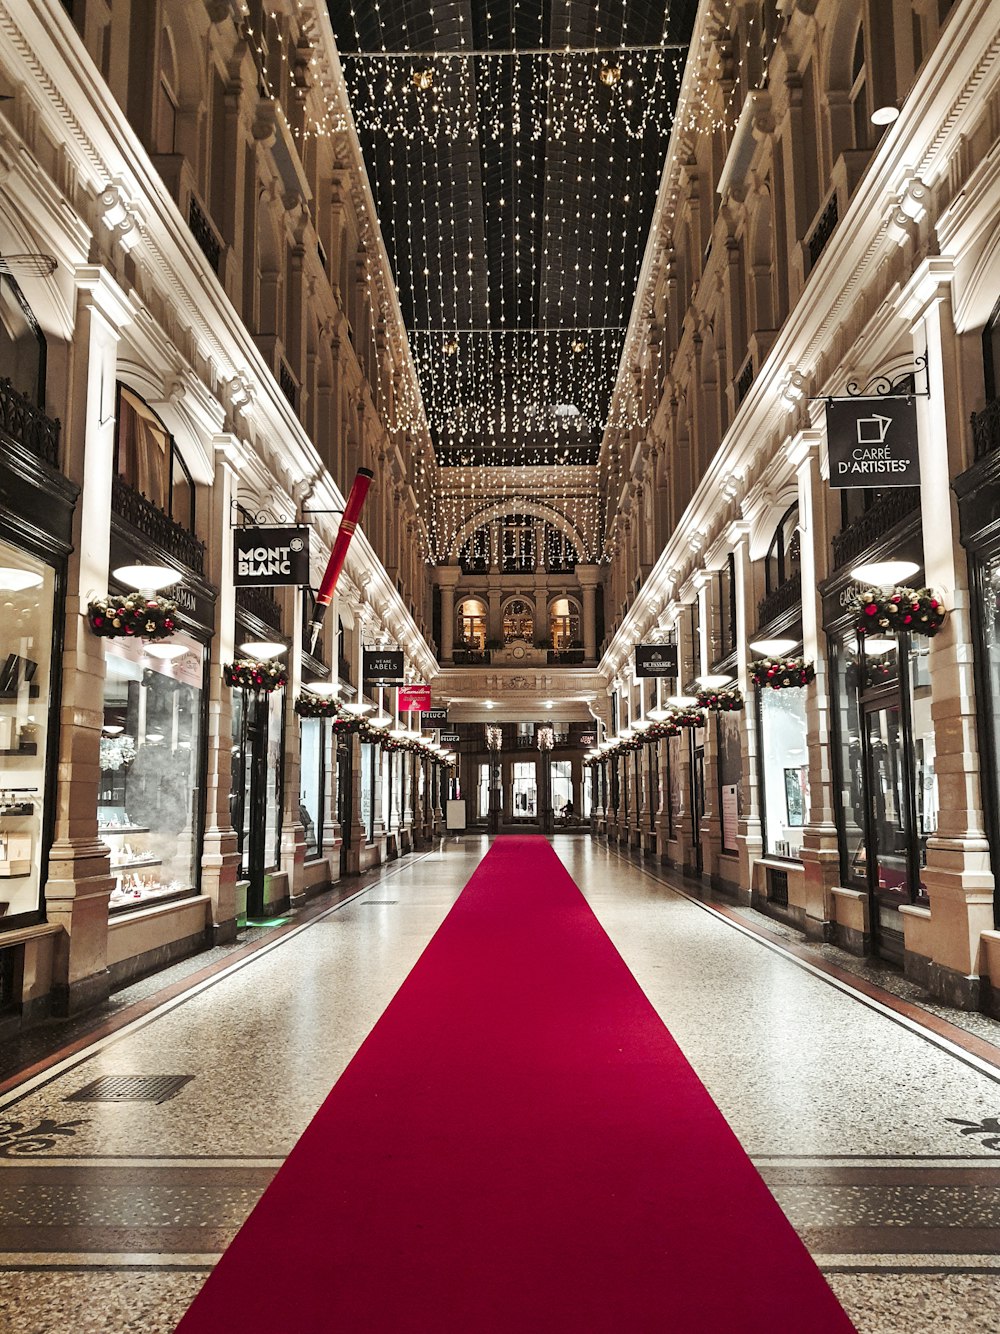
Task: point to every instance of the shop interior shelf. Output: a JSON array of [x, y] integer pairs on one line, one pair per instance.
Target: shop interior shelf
[[136, 864], [123, 829], [28, 748], [17, 811], [16, 694], [151, 900]]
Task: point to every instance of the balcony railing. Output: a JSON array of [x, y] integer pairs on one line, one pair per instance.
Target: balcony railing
[[779, 600], [28, 425], [564, 657], [823, 230], [986, 429], [259, 602], [157, 525], [204, 233], [891, 508], [745, 380]]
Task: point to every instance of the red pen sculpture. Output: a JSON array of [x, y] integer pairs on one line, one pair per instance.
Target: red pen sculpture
[[338, 553]]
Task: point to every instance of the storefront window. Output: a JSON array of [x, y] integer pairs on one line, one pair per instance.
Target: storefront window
[[483, 792], [924, 750], [149, 799], [26, 603], [275, 773], [729, 735], [366, 788], [847, 667], [676, 806], [312, 779], [561, 779], [784, 770]]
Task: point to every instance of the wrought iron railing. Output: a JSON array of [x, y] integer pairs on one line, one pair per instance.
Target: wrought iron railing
[[986, 429], [23, 422], [286, 382], [779, 600], [204, 233], [564, 657], [823, 230], [260, 603], [891, 508], [745, 381], [157, 525], [471, 657]]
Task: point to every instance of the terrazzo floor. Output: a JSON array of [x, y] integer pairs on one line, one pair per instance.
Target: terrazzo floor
[[880, 1141]]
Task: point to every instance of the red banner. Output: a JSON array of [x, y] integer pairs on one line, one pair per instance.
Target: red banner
[[414, 697]]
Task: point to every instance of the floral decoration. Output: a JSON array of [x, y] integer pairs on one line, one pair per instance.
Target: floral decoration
[[881, 610], [729, 700], [688, 718], [309, 705], [249, 674], [117, 752], [133, 616], [656, 731], [781, 673]]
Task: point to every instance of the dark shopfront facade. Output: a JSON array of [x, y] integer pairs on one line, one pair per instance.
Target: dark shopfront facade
[[36, 514], [978, 492], [882, 735]]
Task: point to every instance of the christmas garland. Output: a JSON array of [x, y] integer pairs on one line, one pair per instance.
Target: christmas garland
[[729, 700], [309, 705], [249, 674], [877, 610], [134, 615], [688, 718], [657, 731], [781, 673]]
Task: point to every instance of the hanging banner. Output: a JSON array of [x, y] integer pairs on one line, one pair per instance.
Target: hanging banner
[[385, 665], [415, 697], [270, 557], [655, 660], [435, 717], [872, 442]]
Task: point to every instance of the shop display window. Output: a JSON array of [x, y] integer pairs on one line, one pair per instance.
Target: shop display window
[[312, 779], [149, 799], [784, 770], [676, 805], [367, 784], [924, 748], [847, 668], [729, 735], [27, 590]]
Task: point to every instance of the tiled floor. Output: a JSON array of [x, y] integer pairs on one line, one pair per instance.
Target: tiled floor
[[875, 1138]]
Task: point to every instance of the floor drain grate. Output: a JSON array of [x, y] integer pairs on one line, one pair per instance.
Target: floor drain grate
[[379, 903], [131, 1088]]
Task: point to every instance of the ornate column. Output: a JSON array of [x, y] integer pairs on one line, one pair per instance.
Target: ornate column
[[957, 876], [750, 833], [588, 576], [220, 858], [79, 881], [448, 577], [820, 852]]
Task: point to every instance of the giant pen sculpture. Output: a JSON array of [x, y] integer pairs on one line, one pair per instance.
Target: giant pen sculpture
[[338, 553]]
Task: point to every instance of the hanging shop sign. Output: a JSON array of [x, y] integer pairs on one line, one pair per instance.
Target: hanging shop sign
[[449, 738], [435, 717], [270, 556], [872, 442], [417, 698], [655, 660], [384, 665], [587, 739]]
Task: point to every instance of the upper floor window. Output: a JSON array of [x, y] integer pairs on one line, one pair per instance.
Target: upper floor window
[[859, 94], [991, 355], [782, 561], [22, 344], [149, 460]]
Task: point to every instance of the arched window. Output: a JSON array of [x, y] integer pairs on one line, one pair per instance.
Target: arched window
[[474, 557], [518, 621], [472, 624], [782, 563], [149, 460], [564, 624], [859, 94], [22, 344]]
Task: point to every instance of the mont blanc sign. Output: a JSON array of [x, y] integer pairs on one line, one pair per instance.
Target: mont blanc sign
[[873, 442], [270, 556]]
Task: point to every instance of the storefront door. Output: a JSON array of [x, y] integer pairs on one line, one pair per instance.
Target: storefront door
[[345, 796], [697, 794], [524, 791], [250, 786], [889, 835]]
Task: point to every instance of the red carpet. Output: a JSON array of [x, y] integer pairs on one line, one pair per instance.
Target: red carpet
[[518, 1146]]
